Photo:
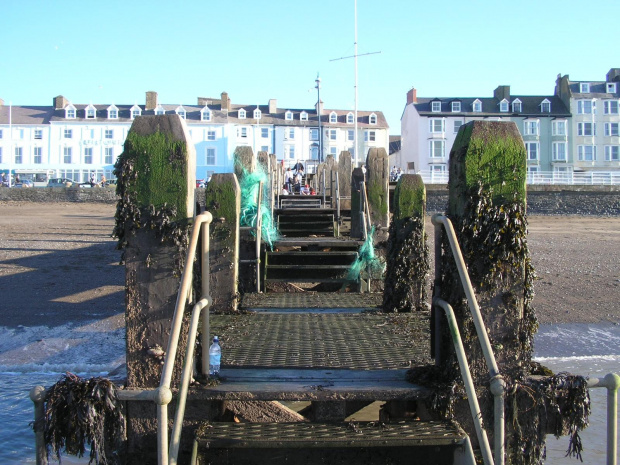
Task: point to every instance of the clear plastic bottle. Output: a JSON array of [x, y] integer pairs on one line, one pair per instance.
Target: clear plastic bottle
[[215, 355]]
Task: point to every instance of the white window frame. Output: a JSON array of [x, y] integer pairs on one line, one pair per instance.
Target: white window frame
[[584, 87], [585, 107], [210, 155], [607, 107], [19, 155], [290, 133], [370, 136], [67, 154], [88, 155], [159, 110], [303, 116], [436, 148], [38, 134], [333, 117], [557, 154], [289, 152], [583, 155], [609, 153], [181, 111], [455, 107], [530, 152], [611, 87], [314, 133], [135, 111], [503, 106], [350, 118], [437, 125], [70, 112], [350, 134], [264, 133], [545, 106], [67, 134], [288, 116], [517, 106], [206, 114], [612, 129], [583, 126], [257, 114], [108, 134], [108, 155], [37, 155], [436, 106], [90, 112], [372, 119], [242, 132], [457, 125], [531, 127], [476, 106], [1, 133], [112, 112], [210, 134], [558, 127], [332, 134], [242, 114]]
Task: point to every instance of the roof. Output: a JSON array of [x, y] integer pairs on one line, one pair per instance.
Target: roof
[[530, 106], [598, 89], [395, 144]]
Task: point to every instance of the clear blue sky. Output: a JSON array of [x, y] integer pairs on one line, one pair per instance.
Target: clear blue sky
[[114, 51]]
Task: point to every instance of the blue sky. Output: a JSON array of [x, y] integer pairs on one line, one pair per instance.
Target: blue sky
[[114, 51]]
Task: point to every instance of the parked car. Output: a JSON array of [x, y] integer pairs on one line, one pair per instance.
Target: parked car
[[24, 183], [60, 182]]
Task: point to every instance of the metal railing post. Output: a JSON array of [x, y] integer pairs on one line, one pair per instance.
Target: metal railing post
[[206, 293], [37, 395]]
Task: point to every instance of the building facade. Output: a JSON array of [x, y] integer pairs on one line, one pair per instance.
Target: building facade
[[74, 140]]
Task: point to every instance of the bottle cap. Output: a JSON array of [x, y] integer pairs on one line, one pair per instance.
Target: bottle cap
[[216, 339]]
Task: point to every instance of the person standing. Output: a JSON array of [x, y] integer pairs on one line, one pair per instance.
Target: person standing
[[288, 179]]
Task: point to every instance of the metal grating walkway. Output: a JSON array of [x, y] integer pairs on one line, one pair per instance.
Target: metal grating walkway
[[312, 300]]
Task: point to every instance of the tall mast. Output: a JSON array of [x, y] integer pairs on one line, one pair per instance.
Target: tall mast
[[355, 149]]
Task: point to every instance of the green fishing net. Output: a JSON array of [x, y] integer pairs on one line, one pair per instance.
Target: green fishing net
[[367, 264], [249, 185]]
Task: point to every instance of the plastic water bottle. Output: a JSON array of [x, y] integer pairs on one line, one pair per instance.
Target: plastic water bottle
[[215, 355]]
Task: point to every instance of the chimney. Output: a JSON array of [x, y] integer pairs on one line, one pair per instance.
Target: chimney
[[613, 75], [151, 100], [60, 102], [225, 102], [273, 106], [502, 92], [202, 101], [412, 96]]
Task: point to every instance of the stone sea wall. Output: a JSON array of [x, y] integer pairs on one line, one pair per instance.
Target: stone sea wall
[[541, 200]]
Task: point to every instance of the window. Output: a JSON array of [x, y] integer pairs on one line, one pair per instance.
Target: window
[[19, 155], [88, 155], [456, 107], [0, 154], [436, 106], [457, 126], [612, 153], [21, 134], [438, 169], [314, 134], [584, 87], [532, 150], [181, 112], [37, 155], [587, 153], [559, 151], [437, 125], [372, 119], [517, 107], [477, 106], [70, 112], [503, 105], [558, 128], [210, 156], [530, 127], [288, 116], [112, 112], [109, 134], [586, 129], [350, 118], [332, 151], [264, 133], [91, 112], [303, 116], [611, 129], [159, 110], [1, 135], [68, 133], [289, 151], [264, 148], [135, 111], [38, 134], [210, 134], [242, 114], [585, 107], [205, 114], [314, 151], [611, 87], [350, 134], [257, 114], [333, 117], [242, 132], [545, 106], [610, 107], [331, 134], [437, 148], [108, 155], [67, 153], [290, 132], [370, 136]]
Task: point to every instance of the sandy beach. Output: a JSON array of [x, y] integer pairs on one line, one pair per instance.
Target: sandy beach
[[59, 264]]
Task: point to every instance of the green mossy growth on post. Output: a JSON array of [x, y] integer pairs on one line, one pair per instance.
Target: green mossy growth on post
[[377, 198], [409, 198]]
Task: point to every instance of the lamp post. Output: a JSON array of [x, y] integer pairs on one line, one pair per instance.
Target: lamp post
[[318, 112]]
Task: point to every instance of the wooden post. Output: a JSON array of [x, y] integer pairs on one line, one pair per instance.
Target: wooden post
[[357, 180], [244, 158], [378, 185], [344, 178]]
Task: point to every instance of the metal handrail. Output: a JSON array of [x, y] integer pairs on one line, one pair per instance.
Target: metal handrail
[[337, 204], [611, 381], [497, 383]]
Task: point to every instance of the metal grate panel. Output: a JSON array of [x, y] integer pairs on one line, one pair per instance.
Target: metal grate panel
[[312, 300]]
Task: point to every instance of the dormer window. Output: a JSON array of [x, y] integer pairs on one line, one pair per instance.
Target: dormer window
[[135, 111], [333, 117], [181, 111], [288, 116], [91, 112], [205, 114], [456, 107], [372, 119], [503, 106], [159, 110], [545, 106], [517, 107], [476, 106], [257, 114], [350, 118], [436, 106], [242, 114], [611, 87], [303, 116], [112, 112], [584, 87], [70, 112]]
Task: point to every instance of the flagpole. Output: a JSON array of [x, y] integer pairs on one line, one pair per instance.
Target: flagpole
[[10, 141]]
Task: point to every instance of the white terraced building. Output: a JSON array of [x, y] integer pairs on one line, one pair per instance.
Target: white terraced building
[[74, 140]]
